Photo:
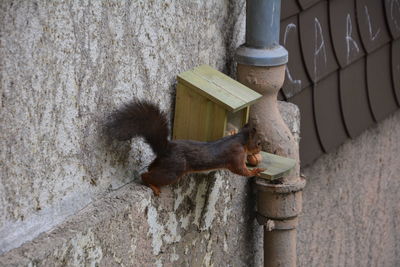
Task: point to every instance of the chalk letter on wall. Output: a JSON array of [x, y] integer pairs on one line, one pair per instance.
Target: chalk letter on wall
[[289, 27], [372, 37], [349, 39], [395, 4], [319, 45]]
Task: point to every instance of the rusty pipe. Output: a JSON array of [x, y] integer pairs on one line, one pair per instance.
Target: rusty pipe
[[278, 205], [261, 66]]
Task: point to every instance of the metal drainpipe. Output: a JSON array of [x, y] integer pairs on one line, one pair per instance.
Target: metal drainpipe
[[261, 66]]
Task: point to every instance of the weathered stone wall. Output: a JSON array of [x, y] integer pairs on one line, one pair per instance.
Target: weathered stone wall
[[64, 65], [202, 221]]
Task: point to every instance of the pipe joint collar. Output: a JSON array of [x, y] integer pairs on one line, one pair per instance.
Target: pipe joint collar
[[262, 57], [280, 201], [284, 188]]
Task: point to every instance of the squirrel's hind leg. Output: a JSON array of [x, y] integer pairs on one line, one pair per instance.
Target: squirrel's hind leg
[[155, 179], [155, 189], [146, 178]]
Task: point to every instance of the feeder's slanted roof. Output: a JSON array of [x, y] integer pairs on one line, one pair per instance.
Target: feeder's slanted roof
[[219, 88]]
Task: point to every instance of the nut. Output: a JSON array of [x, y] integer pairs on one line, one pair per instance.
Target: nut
[[254, 159]]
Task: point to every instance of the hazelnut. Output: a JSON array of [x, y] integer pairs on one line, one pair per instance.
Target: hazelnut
[[254, 159]]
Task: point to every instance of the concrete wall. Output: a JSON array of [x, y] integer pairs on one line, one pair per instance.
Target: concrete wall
[[64, 65], [351, 210]]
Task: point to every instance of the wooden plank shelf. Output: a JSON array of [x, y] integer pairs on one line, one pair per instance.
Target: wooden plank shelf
[[276, 166]]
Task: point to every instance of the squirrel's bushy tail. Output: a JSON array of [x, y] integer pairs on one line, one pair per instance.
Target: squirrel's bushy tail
[[140, 118]]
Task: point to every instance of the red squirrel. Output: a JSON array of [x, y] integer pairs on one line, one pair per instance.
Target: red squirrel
[[174, 158]]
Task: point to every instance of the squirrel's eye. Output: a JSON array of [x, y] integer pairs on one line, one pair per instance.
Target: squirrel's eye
[[259, 144]]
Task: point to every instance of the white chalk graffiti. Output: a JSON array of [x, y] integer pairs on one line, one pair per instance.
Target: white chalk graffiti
[[371, 36], [394, 3], [318, 47], [349, 39], [288, 28]]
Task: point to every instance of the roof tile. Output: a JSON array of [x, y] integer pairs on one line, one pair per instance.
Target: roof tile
[[372, 24], [316, 42], [336, 101], [345, 38], [328, 115], [296, 76], [392, 8], [396, 68], [380, 90], [310, 147], [289, 8], [307, 3], [354, 98]]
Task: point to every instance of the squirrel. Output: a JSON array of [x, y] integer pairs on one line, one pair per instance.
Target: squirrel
[[174, 158]]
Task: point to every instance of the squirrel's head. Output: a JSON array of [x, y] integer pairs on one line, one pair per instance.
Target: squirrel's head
[[255, 137]]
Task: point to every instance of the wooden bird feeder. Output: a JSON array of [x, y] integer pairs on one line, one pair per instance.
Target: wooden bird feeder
[[210, 104]]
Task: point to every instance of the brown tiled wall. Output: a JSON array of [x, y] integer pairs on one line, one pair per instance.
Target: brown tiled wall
[[344, 67]]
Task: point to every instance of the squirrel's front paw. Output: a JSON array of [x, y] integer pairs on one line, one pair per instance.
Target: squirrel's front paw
[[257, 171]]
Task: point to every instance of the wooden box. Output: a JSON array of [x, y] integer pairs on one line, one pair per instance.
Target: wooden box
[[210, 104]]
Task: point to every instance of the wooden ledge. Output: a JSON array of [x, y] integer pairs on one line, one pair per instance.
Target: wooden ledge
[[276, 166]]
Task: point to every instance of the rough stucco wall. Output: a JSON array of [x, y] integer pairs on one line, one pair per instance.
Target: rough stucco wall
[[351, 211], [202, 221], [64, 65]]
